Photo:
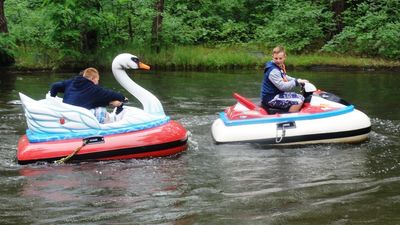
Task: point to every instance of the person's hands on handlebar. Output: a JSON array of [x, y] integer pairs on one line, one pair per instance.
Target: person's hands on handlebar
[[302, 81], [117, 103]]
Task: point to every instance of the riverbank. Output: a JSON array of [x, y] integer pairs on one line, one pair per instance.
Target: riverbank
[[196, 58]]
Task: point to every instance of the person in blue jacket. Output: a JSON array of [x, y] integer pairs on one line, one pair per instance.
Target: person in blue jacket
[[85, 92], [277, 86]]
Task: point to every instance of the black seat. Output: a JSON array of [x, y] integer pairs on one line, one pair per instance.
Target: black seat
[[272, 111]]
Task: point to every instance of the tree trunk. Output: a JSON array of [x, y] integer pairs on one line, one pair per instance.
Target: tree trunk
[[3, 21], [157, 26], [89, 41], [89, 36], [130, 30], [338, 7], [5, 58]]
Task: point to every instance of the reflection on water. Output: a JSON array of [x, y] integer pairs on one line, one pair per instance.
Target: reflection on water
[[105, 190], [212, 184]]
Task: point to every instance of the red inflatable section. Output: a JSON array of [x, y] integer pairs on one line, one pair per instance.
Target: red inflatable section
[[254, 111], [246, 102], [249, 104], [167, 139]]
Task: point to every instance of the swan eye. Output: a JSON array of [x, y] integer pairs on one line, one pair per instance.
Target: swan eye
[[136, 60]]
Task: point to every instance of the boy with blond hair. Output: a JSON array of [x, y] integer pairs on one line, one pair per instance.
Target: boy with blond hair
[[85, 92], [277, 86]]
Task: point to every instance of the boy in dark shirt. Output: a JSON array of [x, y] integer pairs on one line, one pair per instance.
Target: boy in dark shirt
[[85, 92]]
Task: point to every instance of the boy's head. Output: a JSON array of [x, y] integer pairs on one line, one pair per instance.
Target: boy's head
[[91, 74], [279, 55]]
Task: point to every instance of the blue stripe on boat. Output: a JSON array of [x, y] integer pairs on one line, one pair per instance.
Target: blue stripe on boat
[[297, 117], [43, 137]]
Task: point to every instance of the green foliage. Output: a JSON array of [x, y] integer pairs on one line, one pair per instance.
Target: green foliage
[[300, 26], [388, 44], [27, 25], [7, 44], [207, 22], [373, 30], [57, 33], [71, 26]]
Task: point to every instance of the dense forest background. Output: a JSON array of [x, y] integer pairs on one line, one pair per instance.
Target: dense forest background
[[60, 32]]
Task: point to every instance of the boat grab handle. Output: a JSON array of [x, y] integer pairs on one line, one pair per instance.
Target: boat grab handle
[[283, 126]]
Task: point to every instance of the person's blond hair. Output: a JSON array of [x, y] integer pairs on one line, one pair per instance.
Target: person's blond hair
[[90, 73], [278, 49]]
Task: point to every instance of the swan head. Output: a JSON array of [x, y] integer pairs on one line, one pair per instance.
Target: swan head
[[128, 61]]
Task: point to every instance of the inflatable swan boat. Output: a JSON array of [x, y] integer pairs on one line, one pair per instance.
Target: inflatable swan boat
[[324, 118], [56, 130]]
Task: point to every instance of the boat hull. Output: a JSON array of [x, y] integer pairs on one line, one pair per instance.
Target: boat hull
[[349, 127], [165, 140]]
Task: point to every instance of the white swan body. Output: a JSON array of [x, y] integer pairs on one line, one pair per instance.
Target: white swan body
[[50, 118], [150, 103]]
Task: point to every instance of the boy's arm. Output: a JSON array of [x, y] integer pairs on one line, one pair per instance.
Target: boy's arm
[[276, 78], [57, 87], [104, 96]]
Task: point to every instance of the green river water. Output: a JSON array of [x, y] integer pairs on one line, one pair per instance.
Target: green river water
[[212, 184]]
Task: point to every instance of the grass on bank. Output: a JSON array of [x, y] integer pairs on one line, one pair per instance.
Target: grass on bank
[[192, 58], [312, 60]]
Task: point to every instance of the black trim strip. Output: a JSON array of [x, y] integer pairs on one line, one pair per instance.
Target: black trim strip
[[113, 153], [310, 137]]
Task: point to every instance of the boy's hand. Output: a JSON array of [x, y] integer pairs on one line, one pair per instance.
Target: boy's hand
[[302, 81], [115, 103]]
